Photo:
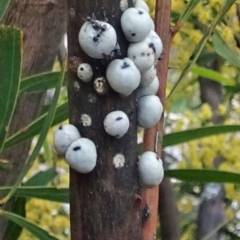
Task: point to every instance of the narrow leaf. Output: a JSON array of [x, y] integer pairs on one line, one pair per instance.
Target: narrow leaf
[[213, 75], [42, 178], [188, 135], [13, 230], [188, 10], [46, 125], [198, 49], [34, 229], [35, 127], [10, 69], [203, 176], [3, 7], [42, 192], [223, 50], [39, 82]]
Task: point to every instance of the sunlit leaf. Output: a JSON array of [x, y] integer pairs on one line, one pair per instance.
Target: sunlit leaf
[[212, 75], [203, 175], [222, 48], [188, 135]]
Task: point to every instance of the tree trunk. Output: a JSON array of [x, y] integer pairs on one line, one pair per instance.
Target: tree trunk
[[211, 208], [104, 203], [43, 25]]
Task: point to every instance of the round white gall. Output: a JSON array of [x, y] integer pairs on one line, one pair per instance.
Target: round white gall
[[116, 123], [149, 111], [82, 155], [141, 4], [97, 39], [85, 72], [151, 89], [136, 24], [150, 170], [123, 76], [148, 76], [64, 136], [142, 54], [156, 43]]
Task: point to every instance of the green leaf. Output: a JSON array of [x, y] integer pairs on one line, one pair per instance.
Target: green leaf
[[213, 75], [13, 230], [42, 192], [35, 127], [39, 82], [200, 46], [46, 125], [203, 176], [10, 69], [42, 178], [188, 10], [34, 229], [223, 50], [188, 135], [3, 7]]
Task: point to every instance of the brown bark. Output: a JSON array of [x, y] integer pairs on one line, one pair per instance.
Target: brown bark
[[153, 136], [43, 24], [104, 204]]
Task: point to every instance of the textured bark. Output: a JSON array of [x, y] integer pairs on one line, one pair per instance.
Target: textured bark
[[104, 204], [211, 208], [43, 24]]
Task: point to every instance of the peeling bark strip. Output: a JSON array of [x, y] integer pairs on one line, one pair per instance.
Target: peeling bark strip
[[103, 202]]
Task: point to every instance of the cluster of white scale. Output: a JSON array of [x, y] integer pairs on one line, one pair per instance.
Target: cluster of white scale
[[137, 71]]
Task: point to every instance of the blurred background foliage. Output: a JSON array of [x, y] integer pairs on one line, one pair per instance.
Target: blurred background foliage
[[185, 110]]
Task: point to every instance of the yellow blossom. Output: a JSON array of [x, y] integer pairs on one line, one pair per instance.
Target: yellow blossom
[[205, 112]]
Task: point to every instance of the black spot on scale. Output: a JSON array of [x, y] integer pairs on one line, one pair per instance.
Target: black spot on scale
[[81, 68], [133, 34], [60, 127], [125, 65], [151, 45], [157, 157], [76, 148], [119, 118], [140, 12]]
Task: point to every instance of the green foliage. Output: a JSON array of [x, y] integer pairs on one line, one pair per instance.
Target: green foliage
[[3, 7], [36, 126], [40, 82], [10, 69], [188, 135], [203, 175], [22, 222]]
